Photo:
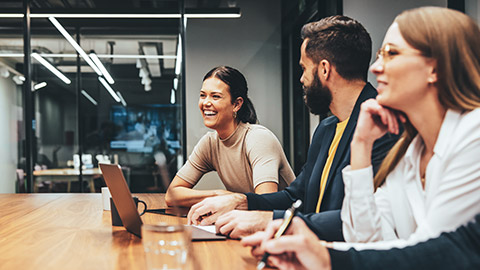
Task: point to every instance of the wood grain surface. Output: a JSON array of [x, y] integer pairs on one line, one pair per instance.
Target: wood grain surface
[[71, 231]]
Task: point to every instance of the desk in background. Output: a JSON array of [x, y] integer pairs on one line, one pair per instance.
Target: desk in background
[[71, 231], [66, 175]]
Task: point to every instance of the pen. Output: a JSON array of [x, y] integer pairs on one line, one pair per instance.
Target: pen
[[287, 219]]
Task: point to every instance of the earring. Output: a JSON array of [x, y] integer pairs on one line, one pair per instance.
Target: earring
[[430, 80], [234, 114]]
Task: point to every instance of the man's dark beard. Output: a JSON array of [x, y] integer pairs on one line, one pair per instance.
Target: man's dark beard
[[317, 97]]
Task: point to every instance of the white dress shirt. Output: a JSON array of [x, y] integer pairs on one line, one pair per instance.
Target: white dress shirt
[[401, 212]]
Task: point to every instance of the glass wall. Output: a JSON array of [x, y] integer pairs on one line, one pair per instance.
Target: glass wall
[[12, 137], [105, 88]]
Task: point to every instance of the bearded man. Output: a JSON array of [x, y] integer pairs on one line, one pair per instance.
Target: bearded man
[[335, 56]]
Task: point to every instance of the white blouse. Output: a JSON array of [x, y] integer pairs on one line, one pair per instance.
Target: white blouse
[[401, 213]]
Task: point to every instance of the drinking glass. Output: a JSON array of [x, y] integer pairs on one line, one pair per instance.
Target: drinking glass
[[166, 246]]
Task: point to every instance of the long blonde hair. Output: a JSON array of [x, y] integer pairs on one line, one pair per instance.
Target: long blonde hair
[[452, 39]]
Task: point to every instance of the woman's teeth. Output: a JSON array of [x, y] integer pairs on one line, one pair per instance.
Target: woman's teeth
[[209, 113]]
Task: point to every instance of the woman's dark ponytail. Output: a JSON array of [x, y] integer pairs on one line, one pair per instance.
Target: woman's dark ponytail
[[247, 112], [238, 88]]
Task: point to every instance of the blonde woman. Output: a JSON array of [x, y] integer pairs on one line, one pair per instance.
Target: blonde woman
[[428, 73]]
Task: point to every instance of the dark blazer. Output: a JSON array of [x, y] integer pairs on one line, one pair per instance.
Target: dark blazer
[[451, 250], [326, 224]]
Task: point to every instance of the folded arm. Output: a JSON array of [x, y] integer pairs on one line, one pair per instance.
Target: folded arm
[[180, 193]]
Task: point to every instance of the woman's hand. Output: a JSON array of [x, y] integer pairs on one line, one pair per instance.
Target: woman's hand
[[180, 193], [299, 248], [373, 122]]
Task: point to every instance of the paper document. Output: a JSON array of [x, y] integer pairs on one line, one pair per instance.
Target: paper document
[[209, 228]]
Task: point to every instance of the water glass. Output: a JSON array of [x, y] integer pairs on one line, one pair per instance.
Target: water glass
[[166, 246]]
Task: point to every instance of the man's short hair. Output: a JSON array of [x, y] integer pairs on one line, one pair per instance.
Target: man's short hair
[[342, 41]]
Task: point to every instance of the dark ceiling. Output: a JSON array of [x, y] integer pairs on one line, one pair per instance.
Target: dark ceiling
[[117, 4], [126, 74], [97, 26]]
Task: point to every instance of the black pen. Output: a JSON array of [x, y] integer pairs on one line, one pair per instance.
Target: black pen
[[287, 220]]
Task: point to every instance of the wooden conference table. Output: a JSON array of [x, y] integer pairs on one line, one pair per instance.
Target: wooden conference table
[[71, 231]]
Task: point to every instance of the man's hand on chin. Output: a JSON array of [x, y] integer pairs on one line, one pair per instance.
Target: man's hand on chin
[[239, 223]]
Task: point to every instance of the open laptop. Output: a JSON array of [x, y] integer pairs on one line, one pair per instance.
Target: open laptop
[[113, 175]]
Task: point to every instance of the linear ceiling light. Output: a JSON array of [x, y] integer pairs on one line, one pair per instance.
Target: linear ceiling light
[[137, 56], [51, 68], [85, 94], [11, 54], [127, 16], [213, 16], [172, 96], [102, 68], [122, 100], [74, 44], [109, 89], [72, 55], [178, 63], [12, 15], [175, 83], [39, 85]]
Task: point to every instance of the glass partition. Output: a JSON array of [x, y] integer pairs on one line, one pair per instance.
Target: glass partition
[[106, 88], [107, 85], [12, 138]]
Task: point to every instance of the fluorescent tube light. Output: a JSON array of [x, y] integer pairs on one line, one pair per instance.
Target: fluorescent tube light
[[12, 15], [213, 16], [146, 80], [148, 87], [172, 96], [137, 56], [143, 72], [14, 72], [178, 63], [11, 54], [108, 16], [109, 89], [122, 100], [75, 45], [4, 72], [127, 16], [85, 94], [39, 85], [102, 68], [16, 79], [72, 55], [175, 83], [51, 68]]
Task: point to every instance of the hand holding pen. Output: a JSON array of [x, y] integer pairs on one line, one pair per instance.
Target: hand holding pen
[[287, 220], [297, 248]]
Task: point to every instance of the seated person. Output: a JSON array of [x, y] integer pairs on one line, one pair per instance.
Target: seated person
[[335, 56], [301, 249], [428, 72], [247, 157]]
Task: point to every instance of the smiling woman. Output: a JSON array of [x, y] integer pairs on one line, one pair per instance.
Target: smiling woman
[[218, 110], [247, 156], [428, 81]]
